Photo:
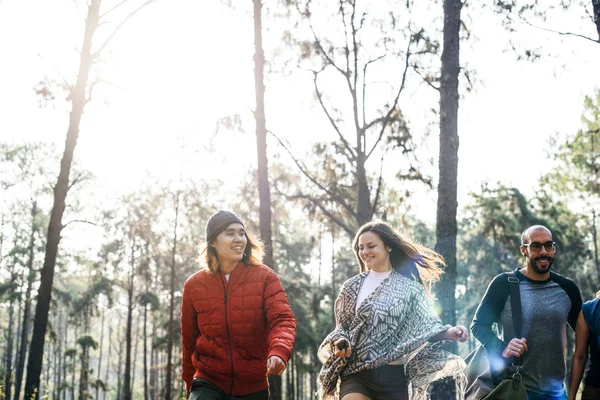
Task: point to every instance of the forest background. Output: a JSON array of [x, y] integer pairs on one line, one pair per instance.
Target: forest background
[[305, 118]]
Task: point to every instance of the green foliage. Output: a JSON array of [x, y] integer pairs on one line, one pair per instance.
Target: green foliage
[[8, 290], [86, 341], [71, 352], [149, 299]]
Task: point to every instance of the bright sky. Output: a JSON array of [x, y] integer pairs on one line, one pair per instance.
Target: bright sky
[[181, 64]]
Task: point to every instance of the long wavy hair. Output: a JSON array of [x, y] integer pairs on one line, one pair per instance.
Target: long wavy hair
[[409, 258], [253, 254]]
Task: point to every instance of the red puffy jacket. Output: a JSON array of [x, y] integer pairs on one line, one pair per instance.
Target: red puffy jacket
[[229, 330]]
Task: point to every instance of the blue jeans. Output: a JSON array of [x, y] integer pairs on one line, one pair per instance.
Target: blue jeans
[[538, 396], [204, 390]]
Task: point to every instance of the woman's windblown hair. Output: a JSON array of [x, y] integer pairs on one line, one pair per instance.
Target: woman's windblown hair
[[409, 258]]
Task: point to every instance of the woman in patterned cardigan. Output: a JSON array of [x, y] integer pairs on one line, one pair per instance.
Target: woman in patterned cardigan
[[387, 339]]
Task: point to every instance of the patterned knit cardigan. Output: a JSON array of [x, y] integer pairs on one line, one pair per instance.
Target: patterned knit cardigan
[[394, 322]]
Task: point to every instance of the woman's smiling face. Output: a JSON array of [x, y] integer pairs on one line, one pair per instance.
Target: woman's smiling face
[[231, 243], [373, 252]]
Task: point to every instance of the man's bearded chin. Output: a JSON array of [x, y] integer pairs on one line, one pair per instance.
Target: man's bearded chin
[[534, 266]]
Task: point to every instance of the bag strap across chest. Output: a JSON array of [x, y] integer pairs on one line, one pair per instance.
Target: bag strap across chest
[[517, 314]]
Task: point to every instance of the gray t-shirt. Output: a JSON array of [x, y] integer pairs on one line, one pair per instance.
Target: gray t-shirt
[[547, 307]]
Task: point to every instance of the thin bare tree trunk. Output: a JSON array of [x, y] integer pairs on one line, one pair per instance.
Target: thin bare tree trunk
[[128, 329], [135, 351], [27, 311], [9, 351], [145, 334], [170, 333], [58, 365], [100, 355], [106, 383], [78, 101], [119, 385], [154, 378]]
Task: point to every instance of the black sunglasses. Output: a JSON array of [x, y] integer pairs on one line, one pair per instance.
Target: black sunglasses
[[536, 246]]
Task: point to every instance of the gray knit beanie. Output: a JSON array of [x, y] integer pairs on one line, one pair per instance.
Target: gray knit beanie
[[218, 222]]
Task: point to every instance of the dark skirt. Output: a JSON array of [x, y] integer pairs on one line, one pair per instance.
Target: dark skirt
[[387, 382]]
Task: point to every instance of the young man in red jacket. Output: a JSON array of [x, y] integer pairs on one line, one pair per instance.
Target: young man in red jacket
[[237, 327]]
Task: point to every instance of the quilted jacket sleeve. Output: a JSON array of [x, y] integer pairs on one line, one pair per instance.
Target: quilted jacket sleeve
[[280, 319], [189, 333]]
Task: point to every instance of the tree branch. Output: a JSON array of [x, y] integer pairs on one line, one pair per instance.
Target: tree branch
[[393, 107], [75, 181], [93, 86], [357, 124], [425, 79], [321, 207], [364, 89], [346, 45], [379, 184], [318, 43], [79, 220], [330, 118], [97, 54], [597, 41], [114, 8], [304, 172]]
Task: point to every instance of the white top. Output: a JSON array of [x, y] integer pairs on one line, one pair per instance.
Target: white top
[[227, 277], [372, 281]]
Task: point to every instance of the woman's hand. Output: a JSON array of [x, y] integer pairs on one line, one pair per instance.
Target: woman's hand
[[275, 366], [459, 333], [342, 348]]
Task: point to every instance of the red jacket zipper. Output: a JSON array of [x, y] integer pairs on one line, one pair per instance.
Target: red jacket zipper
[[225, 288]]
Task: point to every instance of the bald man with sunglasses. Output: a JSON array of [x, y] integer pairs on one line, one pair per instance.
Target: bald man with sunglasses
[[549, 302]]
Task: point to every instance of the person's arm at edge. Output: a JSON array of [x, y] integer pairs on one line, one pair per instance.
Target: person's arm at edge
[[579, 357], [576, 303], [280, 319], [189, 335], [487, 313]]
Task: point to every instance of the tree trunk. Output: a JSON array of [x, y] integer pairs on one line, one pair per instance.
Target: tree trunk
[[27, 311], [128, 329], [596, 7], [100, 354], [446, 228], [170, 339], [78, 101], [59, 352], [119, 384], [154, 379], [263, 169], [135, 351], [9, 350], [83, 375], [313, 373], [145, 352], [261, 137], [110, 330], [595, 239], [364, 211], [74, 365], [64, 359]]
